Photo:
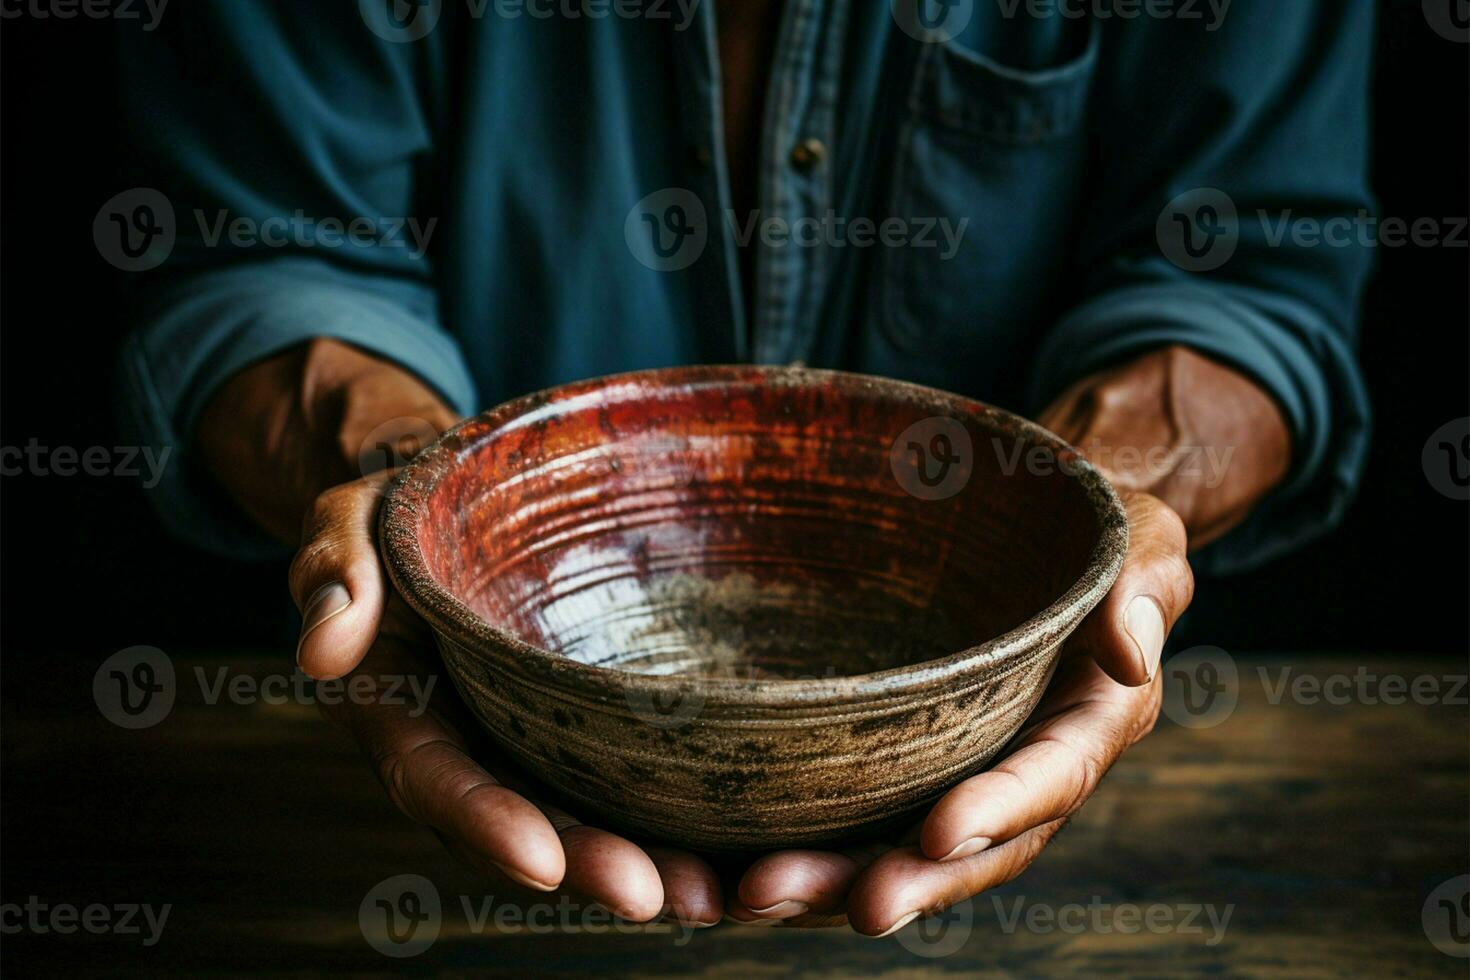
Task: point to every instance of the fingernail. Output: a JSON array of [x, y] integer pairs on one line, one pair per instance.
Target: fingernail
[[972, 846], [751, 922], [516, 876], [898, 925], [1145, 624], [324, 603], [782, 910]]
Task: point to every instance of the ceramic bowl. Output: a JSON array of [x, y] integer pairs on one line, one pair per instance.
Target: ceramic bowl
[[740, 608]]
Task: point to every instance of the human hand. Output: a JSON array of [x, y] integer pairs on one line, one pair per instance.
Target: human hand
[[985, 831], [438, 767], [287, 439]]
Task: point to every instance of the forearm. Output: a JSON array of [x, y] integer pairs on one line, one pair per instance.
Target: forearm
[[1202, 437], [284, 430]]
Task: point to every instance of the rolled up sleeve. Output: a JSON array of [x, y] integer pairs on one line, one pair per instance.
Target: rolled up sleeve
[[1271, 111], [206, 328], [291, 116]]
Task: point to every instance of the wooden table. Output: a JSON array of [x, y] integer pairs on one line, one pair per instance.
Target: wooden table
[[1322, 829]]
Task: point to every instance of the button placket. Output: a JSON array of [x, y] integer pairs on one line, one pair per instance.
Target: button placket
[[792, 184]]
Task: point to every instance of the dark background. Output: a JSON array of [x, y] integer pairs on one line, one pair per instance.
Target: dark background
[[87, 569]]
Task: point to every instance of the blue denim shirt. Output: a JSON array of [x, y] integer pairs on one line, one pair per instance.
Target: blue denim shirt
[[567, 178]]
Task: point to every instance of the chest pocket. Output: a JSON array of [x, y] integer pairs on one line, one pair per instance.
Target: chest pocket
[[1000, 154]]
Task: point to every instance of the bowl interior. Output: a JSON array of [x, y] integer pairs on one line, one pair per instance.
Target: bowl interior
[[753, 525]]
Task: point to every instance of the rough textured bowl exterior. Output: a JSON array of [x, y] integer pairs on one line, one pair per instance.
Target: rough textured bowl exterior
[[708, 605]]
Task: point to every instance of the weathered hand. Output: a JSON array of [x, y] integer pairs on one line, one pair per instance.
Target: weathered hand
[[283, 437], [438, 767], [988, 829]]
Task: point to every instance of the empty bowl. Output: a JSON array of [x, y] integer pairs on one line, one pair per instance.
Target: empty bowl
[[740, 608]]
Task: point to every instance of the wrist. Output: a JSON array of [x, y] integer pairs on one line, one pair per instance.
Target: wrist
[[1201, 436], [280, 432]]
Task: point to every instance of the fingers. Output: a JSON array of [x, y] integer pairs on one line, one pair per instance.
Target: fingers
[[1054, 771], [422, 764], [902, 885], [337, 580], [691, 887], [787, 884], [1125, 633], [610, 870]]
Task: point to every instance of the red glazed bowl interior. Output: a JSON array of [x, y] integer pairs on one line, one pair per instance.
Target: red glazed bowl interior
[[746, 523]]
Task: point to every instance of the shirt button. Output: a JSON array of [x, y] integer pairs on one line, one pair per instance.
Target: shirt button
[[808, 154]]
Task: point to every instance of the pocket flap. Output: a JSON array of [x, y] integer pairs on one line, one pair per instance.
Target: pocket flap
[[967, 91]]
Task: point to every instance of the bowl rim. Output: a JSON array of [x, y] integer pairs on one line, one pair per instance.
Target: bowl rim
[[407, 493]]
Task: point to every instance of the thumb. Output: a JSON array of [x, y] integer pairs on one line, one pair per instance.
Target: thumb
[[337, 580], [1125, 633]]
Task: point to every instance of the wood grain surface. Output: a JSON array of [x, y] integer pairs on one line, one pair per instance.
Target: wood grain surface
[[1321, 828]]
